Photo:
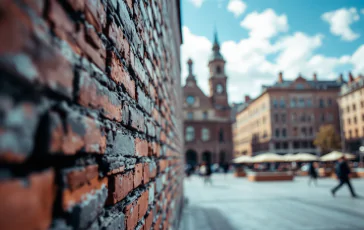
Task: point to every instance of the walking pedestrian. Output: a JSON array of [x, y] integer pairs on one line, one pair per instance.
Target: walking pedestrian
[[188, 170], [342, 171], [312, 173], [205, 171], [226, 169], [208, 179]]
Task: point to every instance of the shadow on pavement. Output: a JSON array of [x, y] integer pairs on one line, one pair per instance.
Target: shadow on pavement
[[204, 218]]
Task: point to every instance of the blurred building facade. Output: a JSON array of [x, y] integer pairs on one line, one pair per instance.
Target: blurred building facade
[[207, 119], [351, 102], [285, 117]]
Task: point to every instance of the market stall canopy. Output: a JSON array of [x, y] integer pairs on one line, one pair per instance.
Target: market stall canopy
[[268, 157], [305, 157], [289, 157], [335, 155], [243, 159]]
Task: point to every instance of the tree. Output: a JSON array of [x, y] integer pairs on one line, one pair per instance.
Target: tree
[[327, 139]]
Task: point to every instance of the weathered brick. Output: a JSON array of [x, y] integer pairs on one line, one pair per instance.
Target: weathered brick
[[131, 214], [119, 186], [30, 200], [122, 143], [138, 175], [75, 133], [120, 75], [93, 94], [143, 203], [72, 197], [112, 221], [148, 221], [141, 147], [18, 126], [136, 119], [95, 14], [163, 164], [77, 177], [84, 215], [144, 101]]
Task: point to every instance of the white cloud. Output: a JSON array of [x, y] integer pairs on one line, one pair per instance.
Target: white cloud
[[295, 50], [248, 62], [362, 11], [197, 3], [340, 21], [357, 60], [237, 7], [266, 24]]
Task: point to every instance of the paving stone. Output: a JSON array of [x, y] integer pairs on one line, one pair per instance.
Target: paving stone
[[235, 203]]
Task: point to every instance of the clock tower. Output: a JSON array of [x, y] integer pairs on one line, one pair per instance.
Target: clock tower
[[218, 79]]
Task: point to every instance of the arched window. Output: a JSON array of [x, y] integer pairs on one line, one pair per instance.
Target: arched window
[[218, 69], [221, 135], [205, 135], [190, 133]]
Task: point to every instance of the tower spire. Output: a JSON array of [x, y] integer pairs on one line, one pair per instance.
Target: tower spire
[[216, 55], [216, 40], [190, 76]]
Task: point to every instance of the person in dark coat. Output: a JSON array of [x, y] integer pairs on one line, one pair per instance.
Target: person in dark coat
[[342, 171], [226, 168], [312, 174], [206, 173]]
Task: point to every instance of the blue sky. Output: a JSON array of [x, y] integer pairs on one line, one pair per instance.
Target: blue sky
[[259, 38]]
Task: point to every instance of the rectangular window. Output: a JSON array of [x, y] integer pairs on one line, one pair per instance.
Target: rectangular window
[[205, 115], [303, 117], [293, 102], [356, 133], [277, 132], [282, 103], [321, 103], [309, 103], [355, 120], [276, 117], [301, 102], [295, 130], [354, 107], [296, 144], [349, 121], [303, 131], [278, 145], [294, 117], [275, 103], [322, 117], [284, 132], [348, 109], [304, 144], [285, 145], [190, 115], [283, 118], [310, 131], [329, 102]]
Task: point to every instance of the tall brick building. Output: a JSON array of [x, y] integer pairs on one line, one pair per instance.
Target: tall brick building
[[207, 121], [91, 114], [351, 102], [286, 116]]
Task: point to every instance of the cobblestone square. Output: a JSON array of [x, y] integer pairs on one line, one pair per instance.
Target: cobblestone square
[[237, 204]]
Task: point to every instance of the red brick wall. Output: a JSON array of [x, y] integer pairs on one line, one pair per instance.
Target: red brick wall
[[90, 109]]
